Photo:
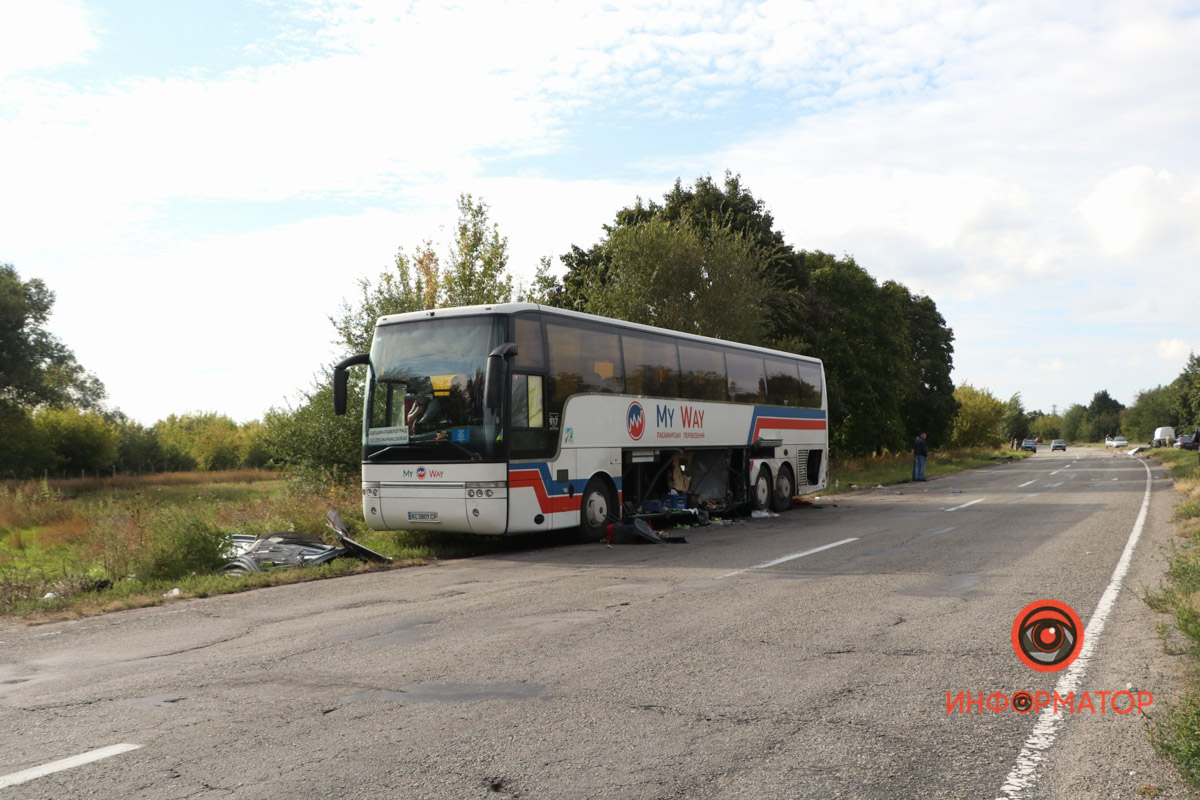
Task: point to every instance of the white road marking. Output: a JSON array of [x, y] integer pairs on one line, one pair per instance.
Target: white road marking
[[964, 505], [1055, 485], [940, 530], [792, 557], [1024, 773], [26, 775], [1026, 483]]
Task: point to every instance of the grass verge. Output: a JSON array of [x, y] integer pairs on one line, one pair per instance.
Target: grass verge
[[1175, 729], [848, 474], [77, 547]]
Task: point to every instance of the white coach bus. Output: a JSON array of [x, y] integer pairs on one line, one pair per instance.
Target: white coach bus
[[516, 417]]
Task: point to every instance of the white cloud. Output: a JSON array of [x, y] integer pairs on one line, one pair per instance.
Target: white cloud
[[1173, 349], [43, 35]]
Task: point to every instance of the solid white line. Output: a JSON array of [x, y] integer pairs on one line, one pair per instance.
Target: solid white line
[[24, 776], [964, 505], [792, 557], [1026, 483], [1045, 730]]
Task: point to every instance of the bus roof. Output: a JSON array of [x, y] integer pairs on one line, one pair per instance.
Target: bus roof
[[513, 308]]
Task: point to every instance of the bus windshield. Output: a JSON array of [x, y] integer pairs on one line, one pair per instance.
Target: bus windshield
[[425, 391]]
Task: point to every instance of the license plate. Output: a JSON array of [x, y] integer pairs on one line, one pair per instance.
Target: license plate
[[423, 516]]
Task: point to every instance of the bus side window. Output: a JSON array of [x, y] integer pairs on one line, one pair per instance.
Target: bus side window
[[810, 384], [651, 365], [783, 382], [701, 372], [747, 381]]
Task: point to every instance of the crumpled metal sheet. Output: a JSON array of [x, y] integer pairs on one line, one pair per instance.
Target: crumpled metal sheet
[[291, 549]]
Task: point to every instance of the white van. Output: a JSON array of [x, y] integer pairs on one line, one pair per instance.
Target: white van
[[1163, 437]]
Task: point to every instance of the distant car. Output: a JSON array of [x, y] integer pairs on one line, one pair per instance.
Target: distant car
[[1029, 444], [1058, 444], [1038, 440], [1120, 441], [1187, 442]]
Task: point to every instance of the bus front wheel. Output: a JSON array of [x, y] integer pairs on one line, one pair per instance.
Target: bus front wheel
[[596, 506], [785, 488], [760, 492]]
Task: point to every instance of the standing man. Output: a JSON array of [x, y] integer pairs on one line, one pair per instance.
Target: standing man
[[919, 452]]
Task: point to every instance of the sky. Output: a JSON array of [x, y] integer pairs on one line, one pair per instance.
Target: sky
[[202, 185]]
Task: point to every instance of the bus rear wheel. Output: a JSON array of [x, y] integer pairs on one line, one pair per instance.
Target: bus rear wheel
[[785, 488], [596, 505], [760, 491]]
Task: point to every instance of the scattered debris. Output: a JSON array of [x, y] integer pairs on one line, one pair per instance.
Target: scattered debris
[[173, 593], [292, 549], [49, 596]]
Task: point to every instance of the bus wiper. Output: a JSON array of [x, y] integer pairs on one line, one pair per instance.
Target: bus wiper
[[474, 456], [378, 453]]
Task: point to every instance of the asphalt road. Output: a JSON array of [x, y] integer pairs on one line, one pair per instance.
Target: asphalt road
[[808, 655]]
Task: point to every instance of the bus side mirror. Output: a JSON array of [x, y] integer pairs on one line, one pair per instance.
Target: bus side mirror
[[340, 375], [493, 381]]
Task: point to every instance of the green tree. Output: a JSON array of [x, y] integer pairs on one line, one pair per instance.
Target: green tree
[[1151, 409], [78, 440], [36, 368], [1074, 424], [1047, 426], [477, 270], [980, 419], [1016, 422], [1187, 394], [1103, 417], [930, 405], [860, 332], [683, 277]]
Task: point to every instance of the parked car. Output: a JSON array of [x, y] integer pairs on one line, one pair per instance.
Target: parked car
[[1058, 444], [1187, 441], [1030, 445], [1120, 441]]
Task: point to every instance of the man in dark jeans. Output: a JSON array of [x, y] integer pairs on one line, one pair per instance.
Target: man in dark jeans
[[919, 453]]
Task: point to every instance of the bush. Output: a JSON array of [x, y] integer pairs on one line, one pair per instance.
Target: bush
[[179, 545]]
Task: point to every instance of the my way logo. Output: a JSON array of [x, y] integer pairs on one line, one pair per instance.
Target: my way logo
[[635, 420], [689, 419], [421, 473]]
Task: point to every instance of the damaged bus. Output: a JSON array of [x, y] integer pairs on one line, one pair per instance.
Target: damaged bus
[[517, 418]]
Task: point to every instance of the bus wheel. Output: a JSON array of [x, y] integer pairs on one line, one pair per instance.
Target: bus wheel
[[760, 492], [596, 506], [785, 487]]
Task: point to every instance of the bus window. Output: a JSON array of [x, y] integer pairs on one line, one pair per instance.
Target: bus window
[[529, 436], [583, 358], [747, 381], [651, 365], [701, 372], [527, 333], [783, 382], [810, 384]]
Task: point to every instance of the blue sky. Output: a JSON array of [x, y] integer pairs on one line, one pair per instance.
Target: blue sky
[[202, 184]]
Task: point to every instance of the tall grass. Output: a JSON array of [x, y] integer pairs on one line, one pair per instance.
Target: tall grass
[[1175, 730]]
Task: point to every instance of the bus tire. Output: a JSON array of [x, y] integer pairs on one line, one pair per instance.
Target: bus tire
[[596, 505], [760, 490], [785, 489]]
